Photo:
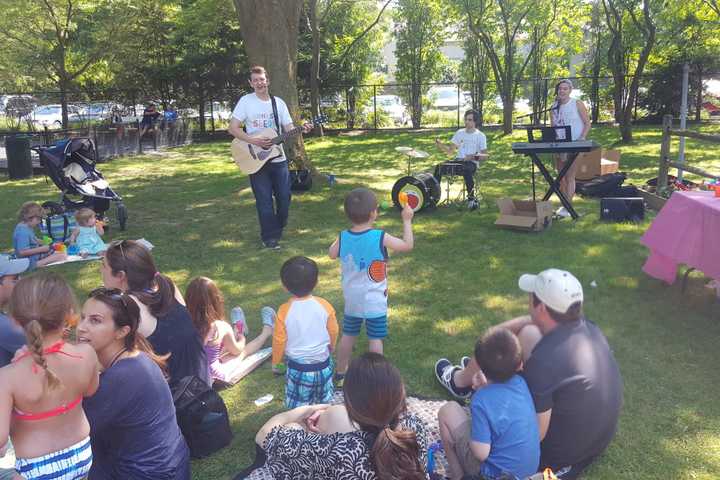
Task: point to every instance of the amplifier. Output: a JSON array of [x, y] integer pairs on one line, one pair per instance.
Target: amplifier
[[622, 209]]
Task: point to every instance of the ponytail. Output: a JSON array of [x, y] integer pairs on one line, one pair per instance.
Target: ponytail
[[152, 288], [142, 345], [34, 335], [396, 455]]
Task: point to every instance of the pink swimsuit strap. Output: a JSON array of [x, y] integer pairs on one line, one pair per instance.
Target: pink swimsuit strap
[[62, 409]]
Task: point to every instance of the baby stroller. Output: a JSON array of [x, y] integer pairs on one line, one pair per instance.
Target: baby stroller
[[71, 166]]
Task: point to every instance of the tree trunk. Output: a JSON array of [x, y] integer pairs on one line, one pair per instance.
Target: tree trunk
[[416, 99], [315, 64], [270, 31], [626, 125], [698, 94], [63, 103]]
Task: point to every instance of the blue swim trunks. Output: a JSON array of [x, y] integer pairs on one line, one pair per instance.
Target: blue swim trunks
[[376, 327]]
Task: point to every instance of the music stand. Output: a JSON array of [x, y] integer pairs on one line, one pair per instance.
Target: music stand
[[552, 135]]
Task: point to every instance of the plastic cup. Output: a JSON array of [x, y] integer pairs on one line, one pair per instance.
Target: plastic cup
[[403, 198]]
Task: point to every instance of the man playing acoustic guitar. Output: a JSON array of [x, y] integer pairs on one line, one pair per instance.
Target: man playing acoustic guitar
[[257, 112]]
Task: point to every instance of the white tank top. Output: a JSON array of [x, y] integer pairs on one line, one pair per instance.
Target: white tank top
[[568, 115]]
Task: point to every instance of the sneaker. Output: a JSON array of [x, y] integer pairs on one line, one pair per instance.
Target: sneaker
[[464, 362], [472, 204], [444, 371], [562, 212], [268, 316], [271, 244], [279, 369]]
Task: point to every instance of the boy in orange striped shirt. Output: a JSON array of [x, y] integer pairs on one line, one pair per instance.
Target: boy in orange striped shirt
[[305, 333]]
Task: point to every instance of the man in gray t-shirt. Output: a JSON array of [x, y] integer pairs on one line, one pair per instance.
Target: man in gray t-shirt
[[571, 372], [11, 335]]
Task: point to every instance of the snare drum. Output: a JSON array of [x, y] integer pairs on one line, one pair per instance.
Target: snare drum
[[451, 169], [422, 189]]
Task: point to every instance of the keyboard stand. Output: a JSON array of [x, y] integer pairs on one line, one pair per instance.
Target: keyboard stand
[[554, 183]]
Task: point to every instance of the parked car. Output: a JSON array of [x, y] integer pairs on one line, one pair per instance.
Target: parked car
[[332, 100], [100, 110], [446, 98], [394, 107], [51, 115], [220, 111]]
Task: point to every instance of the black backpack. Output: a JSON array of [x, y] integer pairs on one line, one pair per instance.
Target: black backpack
[[602, 186], [202, 416]]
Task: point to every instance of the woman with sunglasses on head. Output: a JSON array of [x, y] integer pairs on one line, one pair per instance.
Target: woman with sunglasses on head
[[370, 437], [42, 390], [133, 428], [164, 319]]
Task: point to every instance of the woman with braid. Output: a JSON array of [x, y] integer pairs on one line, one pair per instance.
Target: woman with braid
[[43, 388]]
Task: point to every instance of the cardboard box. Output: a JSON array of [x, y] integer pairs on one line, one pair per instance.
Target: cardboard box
[[524, 214], [595, 163]]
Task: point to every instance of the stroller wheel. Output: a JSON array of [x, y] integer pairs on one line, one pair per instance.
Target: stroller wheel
[[122, 215]]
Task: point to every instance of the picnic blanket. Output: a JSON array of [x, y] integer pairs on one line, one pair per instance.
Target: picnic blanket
[[425, 409]]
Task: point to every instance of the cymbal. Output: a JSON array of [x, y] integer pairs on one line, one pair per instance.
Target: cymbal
[[403, 149], [418, 154]]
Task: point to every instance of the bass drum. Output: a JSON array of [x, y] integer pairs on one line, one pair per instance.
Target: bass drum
[[422, 189]]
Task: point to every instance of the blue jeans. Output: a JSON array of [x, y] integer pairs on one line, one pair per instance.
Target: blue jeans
[[272, 180]]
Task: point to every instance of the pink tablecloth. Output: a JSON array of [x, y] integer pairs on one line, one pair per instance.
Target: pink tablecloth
[[686, 231]]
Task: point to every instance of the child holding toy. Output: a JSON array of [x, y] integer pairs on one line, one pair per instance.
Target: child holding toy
[[26, 244], [225, 348], [363, 255], [86, 236]]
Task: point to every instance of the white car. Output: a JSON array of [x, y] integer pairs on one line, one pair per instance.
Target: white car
[[446, 98], [51, 115], [394, 107], [100, 110]]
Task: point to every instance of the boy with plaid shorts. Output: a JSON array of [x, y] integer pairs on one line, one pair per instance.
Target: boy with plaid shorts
[[305, 333], [363, 254]]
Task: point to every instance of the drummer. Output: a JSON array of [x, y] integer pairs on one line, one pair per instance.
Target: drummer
[[469, 146]]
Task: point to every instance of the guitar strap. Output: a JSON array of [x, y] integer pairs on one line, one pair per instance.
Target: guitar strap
[[275, 114], [279, 125]]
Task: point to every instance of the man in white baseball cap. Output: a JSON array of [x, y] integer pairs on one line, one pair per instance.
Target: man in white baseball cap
[[12, 336], [570, 370]]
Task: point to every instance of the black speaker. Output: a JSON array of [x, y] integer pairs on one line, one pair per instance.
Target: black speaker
[[622, 209]]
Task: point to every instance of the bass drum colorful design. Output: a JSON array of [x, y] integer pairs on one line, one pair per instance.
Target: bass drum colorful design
[[422, 189]]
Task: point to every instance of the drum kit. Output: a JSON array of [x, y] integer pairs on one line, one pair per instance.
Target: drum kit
[[422, 189]]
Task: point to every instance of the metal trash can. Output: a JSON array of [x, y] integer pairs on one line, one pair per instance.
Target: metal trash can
[[19, 160]]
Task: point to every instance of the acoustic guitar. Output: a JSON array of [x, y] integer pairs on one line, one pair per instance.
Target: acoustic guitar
[[250, 158]]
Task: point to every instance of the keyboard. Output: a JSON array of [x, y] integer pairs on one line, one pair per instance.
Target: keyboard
[[527, 148]]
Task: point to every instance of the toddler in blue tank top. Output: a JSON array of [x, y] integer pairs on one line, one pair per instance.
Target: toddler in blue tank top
[[363, 254]]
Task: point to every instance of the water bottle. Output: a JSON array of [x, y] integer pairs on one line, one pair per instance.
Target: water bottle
[[331, 179], [237, 318]]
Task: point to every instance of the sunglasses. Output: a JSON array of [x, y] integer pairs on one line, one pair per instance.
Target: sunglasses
[[114, 293]]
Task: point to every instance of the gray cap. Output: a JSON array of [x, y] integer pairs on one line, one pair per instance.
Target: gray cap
[[13, 267]]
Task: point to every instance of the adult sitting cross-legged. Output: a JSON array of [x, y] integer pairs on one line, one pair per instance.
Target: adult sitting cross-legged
[[133, 429], [164, 319], [370, 437], [571, 372]]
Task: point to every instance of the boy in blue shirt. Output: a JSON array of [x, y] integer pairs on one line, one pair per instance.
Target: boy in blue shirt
[[501, 434], [26, 244], [363, 255]]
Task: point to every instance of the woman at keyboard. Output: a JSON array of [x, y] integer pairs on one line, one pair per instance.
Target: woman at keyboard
[[572, 112]]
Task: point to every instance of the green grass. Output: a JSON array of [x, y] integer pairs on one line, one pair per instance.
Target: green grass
[[198, 210]]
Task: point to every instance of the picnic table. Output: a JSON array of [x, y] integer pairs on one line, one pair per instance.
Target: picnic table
[[686, 231]]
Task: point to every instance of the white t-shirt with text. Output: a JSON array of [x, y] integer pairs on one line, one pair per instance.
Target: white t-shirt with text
[[257, 115]]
